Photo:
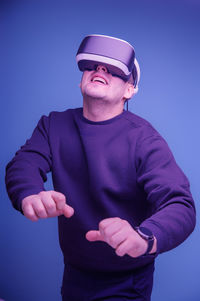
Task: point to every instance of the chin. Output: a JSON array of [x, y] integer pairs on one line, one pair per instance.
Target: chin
[[94, 93]]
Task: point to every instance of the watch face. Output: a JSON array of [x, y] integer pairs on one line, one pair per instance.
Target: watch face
[[145, 233]]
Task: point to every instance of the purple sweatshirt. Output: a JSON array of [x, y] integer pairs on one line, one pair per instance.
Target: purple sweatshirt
[[120, 167]]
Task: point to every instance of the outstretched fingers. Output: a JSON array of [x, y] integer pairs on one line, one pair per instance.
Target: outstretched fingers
[[94, 235], [120, 235], [62, 207], [46, 204]]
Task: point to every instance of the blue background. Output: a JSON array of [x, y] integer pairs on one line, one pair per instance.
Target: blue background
[[38, 42]]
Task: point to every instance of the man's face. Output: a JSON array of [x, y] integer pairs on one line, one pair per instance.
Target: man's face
[[102, 85]]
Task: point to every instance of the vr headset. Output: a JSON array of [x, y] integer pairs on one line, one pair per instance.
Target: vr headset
[[117, 55]]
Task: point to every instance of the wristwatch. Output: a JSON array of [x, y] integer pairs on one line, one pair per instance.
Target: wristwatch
[[147, 235]]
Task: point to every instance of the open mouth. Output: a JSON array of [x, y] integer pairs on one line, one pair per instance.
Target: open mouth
[[99, 79]]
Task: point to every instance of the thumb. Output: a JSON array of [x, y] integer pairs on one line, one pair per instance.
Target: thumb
[[68, 211], [94, 235]]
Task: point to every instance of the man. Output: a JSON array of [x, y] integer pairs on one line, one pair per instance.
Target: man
[[119, 195]]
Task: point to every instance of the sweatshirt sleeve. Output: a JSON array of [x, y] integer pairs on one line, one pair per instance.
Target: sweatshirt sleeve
[[168, 194], [26, 172]]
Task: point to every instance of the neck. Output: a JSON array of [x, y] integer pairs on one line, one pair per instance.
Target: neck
[[98, 110]]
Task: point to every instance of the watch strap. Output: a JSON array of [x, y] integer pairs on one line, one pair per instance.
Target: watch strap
[[147, 235], [150, 246]]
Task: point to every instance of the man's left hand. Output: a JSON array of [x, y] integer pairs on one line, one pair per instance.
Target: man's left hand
[[120, 235]]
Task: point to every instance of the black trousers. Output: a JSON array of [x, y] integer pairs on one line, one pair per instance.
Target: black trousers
[[116, 286]]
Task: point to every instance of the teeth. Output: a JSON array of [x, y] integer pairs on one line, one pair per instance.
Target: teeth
[[99, 79]]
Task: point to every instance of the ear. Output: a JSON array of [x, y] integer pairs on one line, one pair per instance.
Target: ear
[[129, 91]]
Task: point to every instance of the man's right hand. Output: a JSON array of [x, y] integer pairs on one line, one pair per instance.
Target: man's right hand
[[46, 204]]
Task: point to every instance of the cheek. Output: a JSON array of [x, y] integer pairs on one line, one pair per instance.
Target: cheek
[[85, 78], [118, 88], [83, 81]]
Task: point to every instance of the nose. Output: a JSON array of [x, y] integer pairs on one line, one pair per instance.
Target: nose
[[101, 68]]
